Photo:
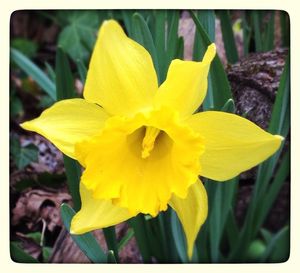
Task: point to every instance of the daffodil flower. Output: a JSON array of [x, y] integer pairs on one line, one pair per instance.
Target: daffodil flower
[[141, 144]]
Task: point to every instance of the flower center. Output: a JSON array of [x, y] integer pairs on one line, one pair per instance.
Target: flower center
[[149, 140]]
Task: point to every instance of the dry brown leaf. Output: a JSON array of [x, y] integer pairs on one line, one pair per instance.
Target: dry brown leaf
[[34, 205]]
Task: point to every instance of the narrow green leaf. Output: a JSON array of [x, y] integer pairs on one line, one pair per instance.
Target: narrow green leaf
[[111, 258], [73, 172], [172, 39], [128, 236], [246, 32], [138, 225], [219, 90], [19, 255], [160, 42], [127, 19], [215, 223], [82, 70], [228, 37], [232, 230], [257, 31], [86, 242], [285, 28], [267, 235], [268, 41], [50, 72], [141, 33], [280, 177], [111, 240], [34, 72], [180, 48], [65, 90], [64, 78], [279, 247], [179, 238], [229, 106]]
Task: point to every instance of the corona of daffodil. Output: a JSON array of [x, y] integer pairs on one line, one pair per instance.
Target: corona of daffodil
[[141, 144]]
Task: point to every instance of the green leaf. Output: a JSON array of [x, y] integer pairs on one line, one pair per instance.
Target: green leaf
[[64, 78], [15, 105], [23, 156], [86, 242], [138, 225], [285, 28], [267, 235], [160, 42], [111, 241], [81, 70], [256, 21], [111, 258], [228, 37], [141, 33], [219, 90], [172, 39], [50, 72], [246, 33], [179, 238], [65, 90], [34, 72], [268, 41], [79, 36], [278, 249], [19, 255], [46, 251], [229, 106], [26, 46], [128, 236]]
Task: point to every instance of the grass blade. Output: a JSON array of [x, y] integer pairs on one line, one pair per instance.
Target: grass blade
[[228, 37], [34, 72], [86, 242]]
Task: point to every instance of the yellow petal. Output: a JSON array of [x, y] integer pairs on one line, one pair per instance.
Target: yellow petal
[[192, 212], [139, 167], [95, 213], [232, 144], [186, 84], [121, 76], [67, 122]]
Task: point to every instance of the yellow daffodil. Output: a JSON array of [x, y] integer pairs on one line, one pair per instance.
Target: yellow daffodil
[[140, 144]]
